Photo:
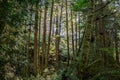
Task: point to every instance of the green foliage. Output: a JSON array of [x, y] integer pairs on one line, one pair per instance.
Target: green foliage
[[107, 74], [68, 73], [109, 51], [12, 52], [3, 61], [81, 4], [12, 13]]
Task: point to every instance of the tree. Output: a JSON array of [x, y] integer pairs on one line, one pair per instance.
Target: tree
[[67, 33], [44, 55], [36, 40], [50, 29]]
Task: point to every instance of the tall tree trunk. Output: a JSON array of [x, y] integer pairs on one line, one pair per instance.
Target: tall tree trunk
[[59, 32], [87, 41], [36, 40], [28, 35], [60, 22], [116, 43], [50, 30], [67, 33], [76, 34], [57, 39], [102, 36], [72, 29], [44, 57], [53, 31], [39, 38]]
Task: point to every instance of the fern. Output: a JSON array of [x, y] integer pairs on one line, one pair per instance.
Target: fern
[[106, 74]]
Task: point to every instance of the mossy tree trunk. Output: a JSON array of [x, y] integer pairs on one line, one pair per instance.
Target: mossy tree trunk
[[50, 29], [57, 38], [86, 43]]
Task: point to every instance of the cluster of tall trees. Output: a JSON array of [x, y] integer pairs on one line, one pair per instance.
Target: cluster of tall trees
[[55, 25], [85, 32]]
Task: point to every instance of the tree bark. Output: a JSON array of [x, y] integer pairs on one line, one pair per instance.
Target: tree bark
[[57, 39], [116, 43], [44, 55], [39, 38], [36, 40], [72, 29], [50, 30], [67, 33]]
